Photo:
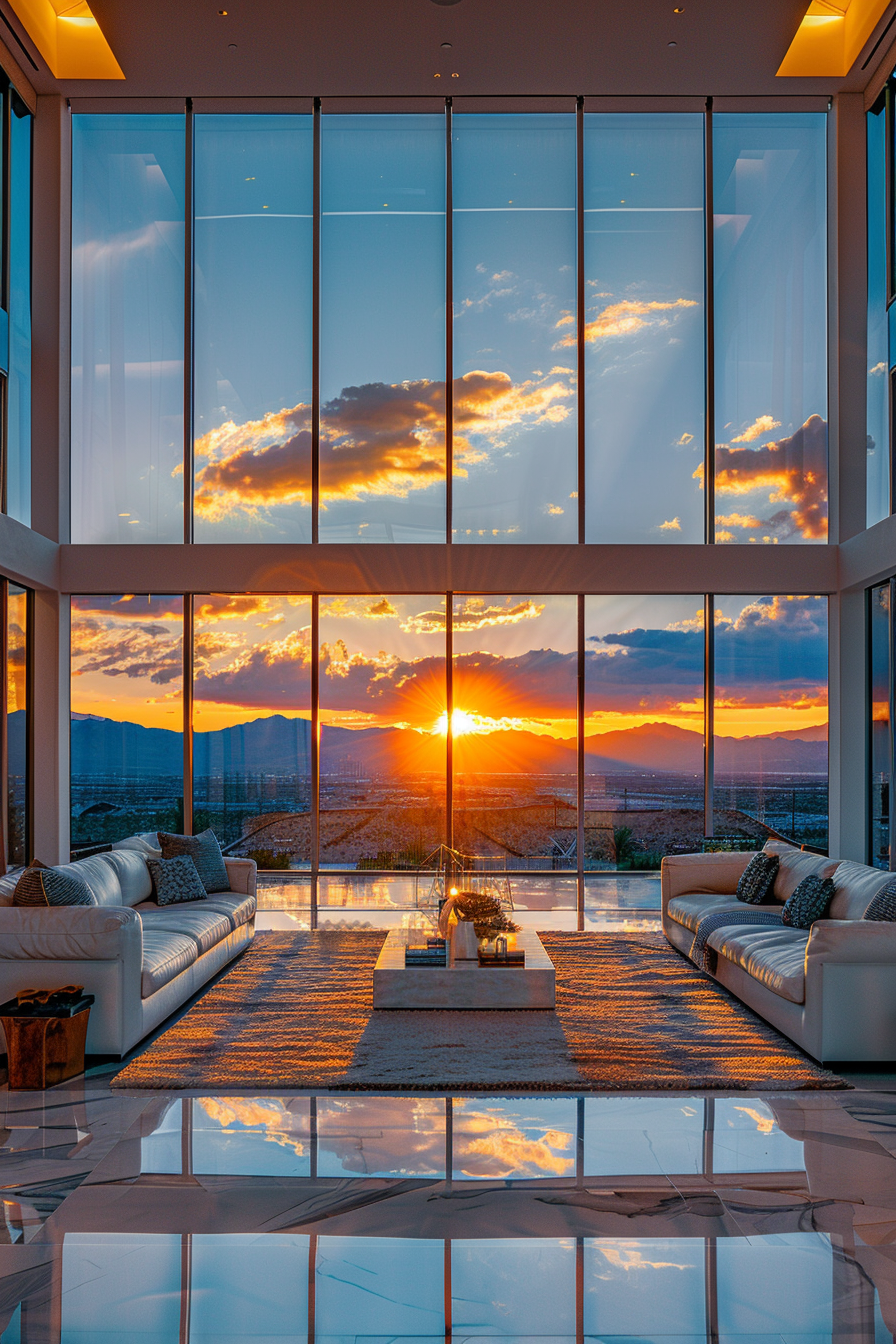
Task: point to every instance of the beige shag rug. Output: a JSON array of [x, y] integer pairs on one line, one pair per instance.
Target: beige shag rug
[[632, 1015]]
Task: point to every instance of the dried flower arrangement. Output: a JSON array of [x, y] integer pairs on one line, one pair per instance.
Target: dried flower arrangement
[[484, 912]]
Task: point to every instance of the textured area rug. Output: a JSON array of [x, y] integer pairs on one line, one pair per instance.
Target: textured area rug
[[632, 1015]]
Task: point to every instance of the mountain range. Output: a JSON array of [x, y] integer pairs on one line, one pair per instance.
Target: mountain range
[[277, 745]]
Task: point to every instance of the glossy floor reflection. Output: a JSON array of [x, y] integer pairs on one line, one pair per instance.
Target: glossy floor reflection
[[161, 1218]]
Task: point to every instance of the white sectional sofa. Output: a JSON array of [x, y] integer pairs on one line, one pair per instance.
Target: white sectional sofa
[[140, 959], [831, 988]]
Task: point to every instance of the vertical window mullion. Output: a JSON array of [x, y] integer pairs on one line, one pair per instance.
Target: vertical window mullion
[[315, 354], [188, 712], [709, 468], [315, 754], [580, 765], [189, 295], [709, 698], [449, 330], [4, 726], [449, 710], [580, 310]]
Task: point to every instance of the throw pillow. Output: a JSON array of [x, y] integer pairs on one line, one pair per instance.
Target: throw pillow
[[205, 852], [883, 907], [808, 903], [43, 886], [758, 878], [175, 880]]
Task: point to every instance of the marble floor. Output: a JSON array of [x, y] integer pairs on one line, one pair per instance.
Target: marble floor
[[157, 1218]]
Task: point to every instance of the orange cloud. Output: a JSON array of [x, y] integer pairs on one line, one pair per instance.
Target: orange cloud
[[626, 318], [473, 615], [763, 425], [379, 439], [793, 471], [134, 650]]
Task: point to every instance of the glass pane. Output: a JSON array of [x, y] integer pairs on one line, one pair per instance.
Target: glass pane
[[881, 764], [643, 729], [519, 1289], [120, 1286], [776, 1285], [248, 1288], [17, 723], [771, 719], [127, 717], [646, 1289], [747, 1137], [381, 1136], [252, 725], [878, 427], [380, 1287], [252, 345], [770, 326], [644, 340], [382, 352], [18, 415], [127, 328], [515, 461], [514, 1140], [514, 730], [382, 712], [643, 1136]]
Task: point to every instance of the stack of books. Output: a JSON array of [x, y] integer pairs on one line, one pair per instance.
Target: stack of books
[[434, 952]]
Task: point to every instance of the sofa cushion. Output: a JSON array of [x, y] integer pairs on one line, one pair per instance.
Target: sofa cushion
[[238, 909], [8, 884], [757, 880], [205, 852], [100, 876], [808, 903], [132, 873], [855, 887], [690, 909], [175, 881], [206, 927], [146, 844], [43, 886], [795, 864], [165, 955], [882, 909], [776, 958]]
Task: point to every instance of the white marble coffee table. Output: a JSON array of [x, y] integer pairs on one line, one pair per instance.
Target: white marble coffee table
[[465, 984]]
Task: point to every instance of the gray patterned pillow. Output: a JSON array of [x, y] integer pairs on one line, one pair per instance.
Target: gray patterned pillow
[[758, 878], [43, 886], [808, 903], [205, 852], [883, 907], [175, 880]]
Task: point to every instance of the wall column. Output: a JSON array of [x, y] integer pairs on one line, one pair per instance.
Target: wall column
[[847, 289], [51, 435]]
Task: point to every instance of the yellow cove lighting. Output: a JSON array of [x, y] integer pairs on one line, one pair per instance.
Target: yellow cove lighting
[[69, 38], [830, 37]]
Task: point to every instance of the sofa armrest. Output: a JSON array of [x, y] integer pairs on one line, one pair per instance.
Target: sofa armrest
[[702, 874], [852, 940], [70, 933], [243, 875]]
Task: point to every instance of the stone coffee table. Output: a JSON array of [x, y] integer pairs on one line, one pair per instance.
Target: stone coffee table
[[466, 984]]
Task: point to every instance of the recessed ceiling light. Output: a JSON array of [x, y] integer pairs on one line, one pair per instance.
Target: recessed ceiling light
[[446, 46], [679, 9], [231, 46], [672, 44], [455, 76], [223, 13], [446, 2]]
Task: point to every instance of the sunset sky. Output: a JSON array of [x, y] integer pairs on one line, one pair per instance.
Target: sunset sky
[[383, 661], [383, 327]]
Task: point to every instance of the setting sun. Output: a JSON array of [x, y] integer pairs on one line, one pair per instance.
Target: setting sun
[[461, 722]]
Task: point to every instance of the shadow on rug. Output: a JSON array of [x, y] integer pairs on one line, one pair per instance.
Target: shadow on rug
[[632, 1015]]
